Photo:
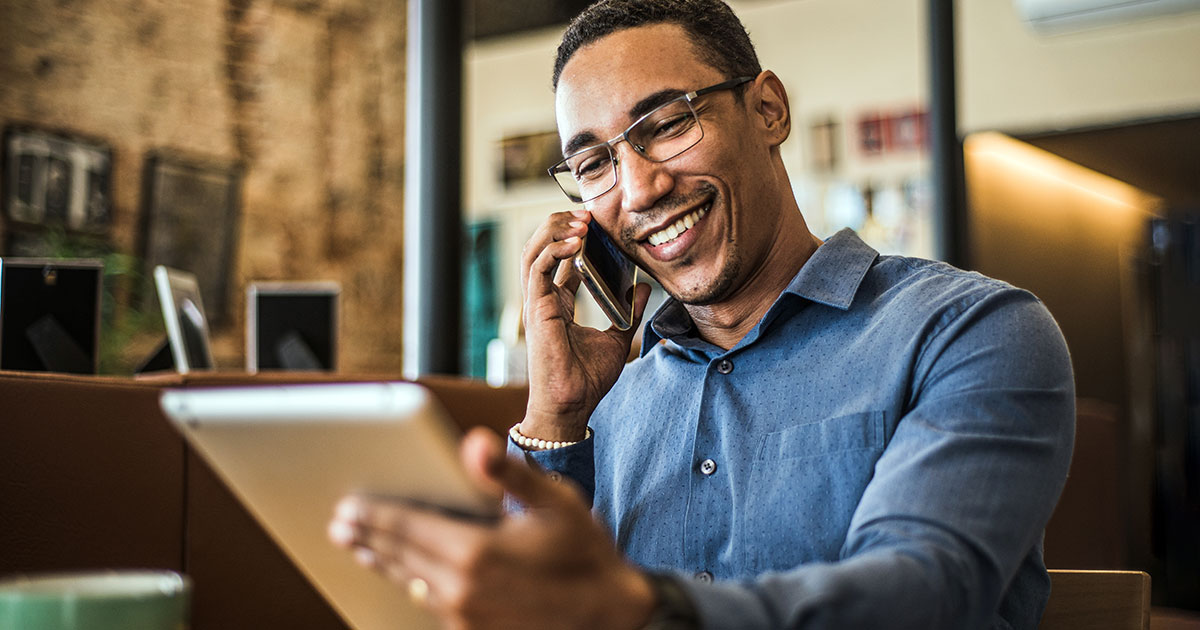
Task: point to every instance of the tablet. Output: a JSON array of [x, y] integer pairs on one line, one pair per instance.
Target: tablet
[[290, 452]]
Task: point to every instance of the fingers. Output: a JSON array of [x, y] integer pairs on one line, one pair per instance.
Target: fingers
[[640, 300], [410, 546], [558, 228], [391, 529], [481, 450], [567, 278]]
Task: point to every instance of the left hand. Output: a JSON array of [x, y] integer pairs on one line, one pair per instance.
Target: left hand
[[552, 566]]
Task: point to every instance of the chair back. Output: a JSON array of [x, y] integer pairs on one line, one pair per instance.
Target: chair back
[[1096, 600]]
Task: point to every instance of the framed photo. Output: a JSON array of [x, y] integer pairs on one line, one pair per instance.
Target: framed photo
[[184, 318], [871, 134], [906, 131], [190, 222], [292, 326], [56, 180], [525, 158], [50, 314], [823, 144]]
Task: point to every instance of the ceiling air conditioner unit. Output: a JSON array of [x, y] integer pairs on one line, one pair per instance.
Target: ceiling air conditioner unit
[[1056, 16]]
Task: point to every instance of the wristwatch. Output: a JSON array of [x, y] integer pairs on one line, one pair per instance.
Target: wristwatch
[[673, 607]]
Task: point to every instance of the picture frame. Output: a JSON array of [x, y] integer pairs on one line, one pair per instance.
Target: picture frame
[[292, 326], [525, 158], [907, 131], [50, 314], [185, 319], [872, 134], [56, 180], [823, 144], [190, 218]]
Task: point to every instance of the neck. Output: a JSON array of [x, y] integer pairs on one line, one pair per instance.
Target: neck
[[725, 323]]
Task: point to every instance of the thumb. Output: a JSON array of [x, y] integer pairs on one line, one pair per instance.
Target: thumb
[[641, 297], [639, 303], [487, 463]]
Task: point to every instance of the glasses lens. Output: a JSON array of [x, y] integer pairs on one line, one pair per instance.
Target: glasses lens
[[587, 174], [667, 131]]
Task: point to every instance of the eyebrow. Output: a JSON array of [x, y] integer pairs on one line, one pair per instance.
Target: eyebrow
[[579, 141], [639, 109]]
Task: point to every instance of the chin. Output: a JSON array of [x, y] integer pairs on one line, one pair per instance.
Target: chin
[[711, 291]]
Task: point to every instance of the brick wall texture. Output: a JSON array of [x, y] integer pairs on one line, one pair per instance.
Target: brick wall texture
[[307, 95]]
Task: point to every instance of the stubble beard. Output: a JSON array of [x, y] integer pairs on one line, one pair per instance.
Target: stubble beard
[[715, 291]]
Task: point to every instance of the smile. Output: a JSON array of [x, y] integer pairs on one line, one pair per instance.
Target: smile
[[684, 224]]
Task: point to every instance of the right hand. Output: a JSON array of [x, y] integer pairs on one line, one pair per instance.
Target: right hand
[[571, 367]]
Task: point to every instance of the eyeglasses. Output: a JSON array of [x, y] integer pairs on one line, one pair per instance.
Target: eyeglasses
[[665, 132]]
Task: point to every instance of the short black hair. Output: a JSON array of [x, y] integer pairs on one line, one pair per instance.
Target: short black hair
[[717, 34]]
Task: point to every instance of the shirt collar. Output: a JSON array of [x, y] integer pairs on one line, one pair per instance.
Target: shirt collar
[[831, 277], [835, 271]]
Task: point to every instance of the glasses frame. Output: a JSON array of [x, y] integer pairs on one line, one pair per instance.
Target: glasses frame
[[688, 98]]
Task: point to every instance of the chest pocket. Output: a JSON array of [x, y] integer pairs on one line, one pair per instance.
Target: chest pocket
[[805, 484]]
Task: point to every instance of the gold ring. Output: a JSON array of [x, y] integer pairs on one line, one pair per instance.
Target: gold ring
[[418, 591]]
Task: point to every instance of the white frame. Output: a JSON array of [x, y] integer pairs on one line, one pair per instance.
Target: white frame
[[170, 283]]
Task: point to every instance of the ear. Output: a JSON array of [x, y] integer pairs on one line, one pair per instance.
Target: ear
[[772, 108]]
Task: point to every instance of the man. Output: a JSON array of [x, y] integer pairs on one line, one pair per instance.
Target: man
[[815, 436]]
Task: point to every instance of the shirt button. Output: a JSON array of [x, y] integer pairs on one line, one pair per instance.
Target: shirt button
[[725, 366], [704, 577], [555, 476], [708, 467]]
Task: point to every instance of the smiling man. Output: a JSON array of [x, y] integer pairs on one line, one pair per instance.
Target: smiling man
[[814, 435]]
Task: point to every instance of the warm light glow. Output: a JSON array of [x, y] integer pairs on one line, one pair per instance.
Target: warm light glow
[[1038, 166]]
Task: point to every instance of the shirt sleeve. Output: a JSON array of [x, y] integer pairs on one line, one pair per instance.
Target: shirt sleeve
[[959, 498]]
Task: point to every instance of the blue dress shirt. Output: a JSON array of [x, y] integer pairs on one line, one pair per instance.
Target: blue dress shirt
[[883, 450]]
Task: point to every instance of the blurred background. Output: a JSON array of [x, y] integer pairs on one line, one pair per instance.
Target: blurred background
[[265, 140]]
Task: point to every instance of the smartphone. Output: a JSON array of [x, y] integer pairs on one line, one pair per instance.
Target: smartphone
[[608, 275]]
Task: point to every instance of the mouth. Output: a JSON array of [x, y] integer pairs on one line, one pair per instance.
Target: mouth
[[680, 227]]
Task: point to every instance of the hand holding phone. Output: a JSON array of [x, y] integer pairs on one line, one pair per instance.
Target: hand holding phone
[[571, 365]]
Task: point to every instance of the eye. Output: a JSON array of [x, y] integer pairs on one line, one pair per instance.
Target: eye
[[590, 167], [672, 125]]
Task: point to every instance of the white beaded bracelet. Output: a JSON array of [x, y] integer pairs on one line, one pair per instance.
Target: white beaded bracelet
[[533, 444]]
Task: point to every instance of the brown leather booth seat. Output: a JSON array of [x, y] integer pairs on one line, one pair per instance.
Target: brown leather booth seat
[[92, 476]]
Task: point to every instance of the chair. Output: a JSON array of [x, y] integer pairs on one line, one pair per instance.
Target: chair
[[1097, 600]]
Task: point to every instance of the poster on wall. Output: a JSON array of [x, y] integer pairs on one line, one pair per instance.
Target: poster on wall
[[191, 212], [525, 158], [56, 180]]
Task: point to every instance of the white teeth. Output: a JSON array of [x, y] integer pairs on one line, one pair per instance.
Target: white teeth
[[673, 231]]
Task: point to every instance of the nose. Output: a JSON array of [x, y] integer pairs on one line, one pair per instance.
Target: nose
[[642, 182]]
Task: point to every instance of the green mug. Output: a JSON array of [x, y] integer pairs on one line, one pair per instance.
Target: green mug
[[100, 600]]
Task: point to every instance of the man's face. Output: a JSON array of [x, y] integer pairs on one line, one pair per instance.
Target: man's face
[[717, 187]]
